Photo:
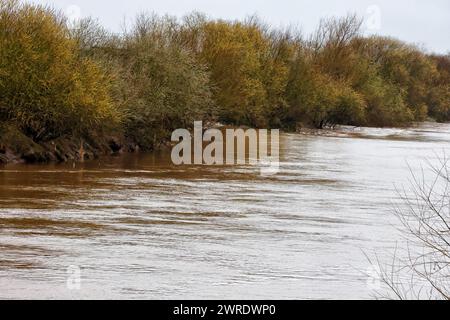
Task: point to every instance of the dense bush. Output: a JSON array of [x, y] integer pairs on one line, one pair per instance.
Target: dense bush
[[46, 88], [164, 86], [164, 73], [439, 93], [248, 74]]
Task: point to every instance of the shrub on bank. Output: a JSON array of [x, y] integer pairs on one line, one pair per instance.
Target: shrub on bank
[[47, 89], [164, 86]]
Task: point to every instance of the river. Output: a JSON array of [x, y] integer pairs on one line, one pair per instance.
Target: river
[[136, 226]]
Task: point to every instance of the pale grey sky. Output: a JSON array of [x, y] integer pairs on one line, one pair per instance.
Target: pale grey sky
[[422, 22]]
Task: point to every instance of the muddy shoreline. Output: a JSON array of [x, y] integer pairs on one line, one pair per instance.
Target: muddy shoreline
[[16, 147]]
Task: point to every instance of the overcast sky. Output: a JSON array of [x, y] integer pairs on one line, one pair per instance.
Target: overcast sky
[[422, 22]]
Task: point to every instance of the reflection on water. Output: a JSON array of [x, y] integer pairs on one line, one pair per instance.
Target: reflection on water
[[139, 227]]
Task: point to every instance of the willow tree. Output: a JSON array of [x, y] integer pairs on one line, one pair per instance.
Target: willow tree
[[47, 88], [438, 99], [164, 86], [247, 64]]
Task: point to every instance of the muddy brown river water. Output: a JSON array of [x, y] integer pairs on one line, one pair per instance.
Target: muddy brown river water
[[136, 226]]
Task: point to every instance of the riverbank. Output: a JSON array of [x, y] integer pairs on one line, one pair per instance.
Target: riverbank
[[160, 76], [16, 147]]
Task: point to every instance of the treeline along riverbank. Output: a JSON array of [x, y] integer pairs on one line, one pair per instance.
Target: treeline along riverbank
[[73, 91]]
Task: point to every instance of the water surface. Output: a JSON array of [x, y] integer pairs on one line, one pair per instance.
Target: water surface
[[139, 227]]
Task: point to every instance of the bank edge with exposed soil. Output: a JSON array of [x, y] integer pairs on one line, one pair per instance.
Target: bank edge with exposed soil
[[16, 147]]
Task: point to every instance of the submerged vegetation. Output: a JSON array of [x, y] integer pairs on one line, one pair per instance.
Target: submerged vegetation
[[132, 89]]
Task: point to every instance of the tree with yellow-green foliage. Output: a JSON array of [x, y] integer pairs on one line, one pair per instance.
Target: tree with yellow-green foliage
[[164, 87], [47, 89], [321, 100], [248, 68], [407, 68], [439, 94]]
